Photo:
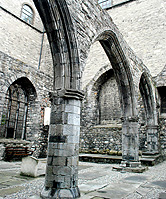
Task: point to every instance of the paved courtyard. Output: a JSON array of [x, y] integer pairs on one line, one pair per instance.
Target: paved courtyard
[[96, 181]]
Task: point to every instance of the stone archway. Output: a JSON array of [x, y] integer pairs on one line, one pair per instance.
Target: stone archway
[[61, 35], [148, 96], [126, 88], [62, 163]]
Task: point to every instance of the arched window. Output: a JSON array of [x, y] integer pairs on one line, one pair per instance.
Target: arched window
[[105, 3], [20, 97], [27, 14], [16, 112]]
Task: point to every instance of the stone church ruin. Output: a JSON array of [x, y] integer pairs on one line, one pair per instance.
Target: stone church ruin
[[113, 106]]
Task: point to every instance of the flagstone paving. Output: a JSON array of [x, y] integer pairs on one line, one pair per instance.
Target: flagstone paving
[[96, 181]]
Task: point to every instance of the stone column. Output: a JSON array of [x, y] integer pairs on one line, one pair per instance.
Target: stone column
[[61, 180], [130, 142], [152, 139]]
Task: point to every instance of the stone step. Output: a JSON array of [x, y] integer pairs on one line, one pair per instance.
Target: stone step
[[99, 158], [150, 160]]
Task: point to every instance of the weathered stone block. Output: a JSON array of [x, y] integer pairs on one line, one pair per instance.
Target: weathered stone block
[[68, 129], [49, 170], [49, 160], [59, 161], [33, 167], [72, 161], [59, 152], [73, 139], [56, 129], [59, 170], [75, 102], [59, 178], [73, 119], [72, 109], [57, 118], [57, 138]]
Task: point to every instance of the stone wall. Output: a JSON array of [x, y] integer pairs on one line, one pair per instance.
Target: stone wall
[[160, 81], [21, 40], [162, 127], [109, 103], [101, 125], [142, 24], [11, 70], [100, 138]]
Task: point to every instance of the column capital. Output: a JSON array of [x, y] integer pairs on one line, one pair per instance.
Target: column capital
[[66, 93], [152, 126]]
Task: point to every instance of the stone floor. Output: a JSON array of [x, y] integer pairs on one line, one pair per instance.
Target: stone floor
[[96, 181]]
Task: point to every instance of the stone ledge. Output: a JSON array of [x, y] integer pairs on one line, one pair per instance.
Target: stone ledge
[[14, 141], [108, 126], [130, 169]]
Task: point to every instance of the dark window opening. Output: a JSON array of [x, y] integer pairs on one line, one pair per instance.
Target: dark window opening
[[162, 93], [15, 113]]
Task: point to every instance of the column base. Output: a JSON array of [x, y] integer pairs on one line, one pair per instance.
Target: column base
[[130, 164], [53, 193], [134, 167], [150, 153]]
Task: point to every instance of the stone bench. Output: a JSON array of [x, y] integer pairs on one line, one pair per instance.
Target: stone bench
[[33, 167]]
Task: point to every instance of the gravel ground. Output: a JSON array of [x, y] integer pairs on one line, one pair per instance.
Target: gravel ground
[[105, 176]]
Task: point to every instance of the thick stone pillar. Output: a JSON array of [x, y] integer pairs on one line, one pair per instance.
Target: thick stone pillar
[[61, 179], [130, 142], [152, 139]]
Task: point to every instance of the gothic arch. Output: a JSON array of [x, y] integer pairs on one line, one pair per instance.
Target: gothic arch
[[64, 100], [60, 31], [65, 112], [120, 65], [148, 96], [123, 75]]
